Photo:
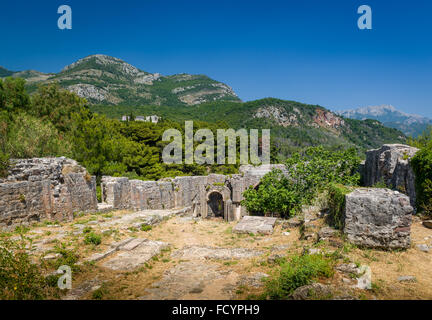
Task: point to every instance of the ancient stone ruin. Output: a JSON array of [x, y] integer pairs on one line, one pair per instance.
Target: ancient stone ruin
[[390, 164], [378, 218], [214, 195], [45, 188], [54, 188]]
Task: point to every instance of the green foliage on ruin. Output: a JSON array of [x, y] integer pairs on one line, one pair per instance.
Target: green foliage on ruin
[[336, 204], [422, 166], [308, 173]]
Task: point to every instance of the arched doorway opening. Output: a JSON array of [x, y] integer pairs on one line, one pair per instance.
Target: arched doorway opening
[[215, 205]]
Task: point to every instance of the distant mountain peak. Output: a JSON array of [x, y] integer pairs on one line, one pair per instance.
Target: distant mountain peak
[[103, 79], [410, 124]]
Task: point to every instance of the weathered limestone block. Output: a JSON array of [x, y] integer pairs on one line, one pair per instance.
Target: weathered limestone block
[[378, 218], [24, 202], [82, 190], [238, 188], [187, 190], [166, 194], [390, 164], [255, 225], [116, 192]]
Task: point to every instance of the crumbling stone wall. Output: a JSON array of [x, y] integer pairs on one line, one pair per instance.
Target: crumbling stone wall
[[45, 188], [390, 164], [378, 218], [187, 191]]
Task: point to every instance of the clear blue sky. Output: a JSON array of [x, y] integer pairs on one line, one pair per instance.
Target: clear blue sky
[[309, 50]]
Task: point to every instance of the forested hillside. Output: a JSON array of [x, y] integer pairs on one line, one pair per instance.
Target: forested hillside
[[293, 125]]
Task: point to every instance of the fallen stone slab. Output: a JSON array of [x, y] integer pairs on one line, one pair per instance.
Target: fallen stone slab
[[255, 280], [183, 279], [348, 268], [407, 279], [364, 282], [204, 252], [326, 233], [255, 225], [312, 291], [423, 247], [80, 291], [135, 256], [100, 255], [292, 223]]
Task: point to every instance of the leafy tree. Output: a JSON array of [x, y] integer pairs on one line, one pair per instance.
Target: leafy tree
[[30, 137], [51, 103], [307, 174], [13, 96]]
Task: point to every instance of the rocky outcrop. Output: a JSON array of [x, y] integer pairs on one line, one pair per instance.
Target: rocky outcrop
[[390, 164], [378, 218], [45, 188]]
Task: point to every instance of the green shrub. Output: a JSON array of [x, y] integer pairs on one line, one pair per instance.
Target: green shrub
[[20, 279], [99, 193], [308, 174], [67, 257], [146, 227], [99, 293], [299, 271], [93, 238], [336, 203], [87, 229], [4, 164], [422, 166]]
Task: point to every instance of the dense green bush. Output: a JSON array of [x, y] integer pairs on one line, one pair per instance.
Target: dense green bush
[[308, 174], [299, 271], [20, 279], [275, 195], [422, 166], [31, 137], [93, 238], [336, 204]]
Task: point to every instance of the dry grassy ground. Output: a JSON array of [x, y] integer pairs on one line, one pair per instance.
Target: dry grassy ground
[[194, 268]]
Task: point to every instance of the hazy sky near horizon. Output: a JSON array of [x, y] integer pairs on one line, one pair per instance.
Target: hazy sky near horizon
[[309, 51]]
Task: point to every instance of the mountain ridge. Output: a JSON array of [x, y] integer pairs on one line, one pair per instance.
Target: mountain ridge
[[410, 124], [104, 79]]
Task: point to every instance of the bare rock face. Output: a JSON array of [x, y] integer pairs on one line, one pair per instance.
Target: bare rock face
[[378, 218], [390, 164]]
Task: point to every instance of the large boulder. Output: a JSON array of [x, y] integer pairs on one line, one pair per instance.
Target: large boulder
[[390, 164], [378, 218]]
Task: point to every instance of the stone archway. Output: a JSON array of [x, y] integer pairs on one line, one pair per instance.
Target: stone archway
[[215, 204]]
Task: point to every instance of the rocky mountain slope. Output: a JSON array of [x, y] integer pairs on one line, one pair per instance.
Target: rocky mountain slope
[[107, 80], [294, 125], [410, 124]]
